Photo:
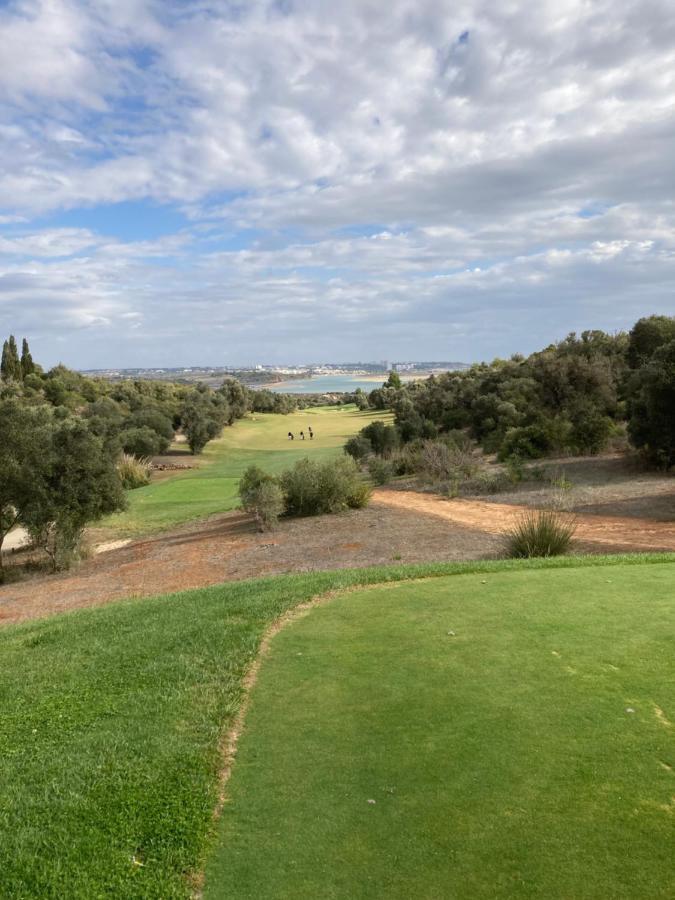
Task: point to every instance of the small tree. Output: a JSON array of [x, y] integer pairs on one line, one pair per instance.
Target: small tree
[[261, 496], [142, 442], [80, 484], [23, 459], [651, 409], [358, 447]]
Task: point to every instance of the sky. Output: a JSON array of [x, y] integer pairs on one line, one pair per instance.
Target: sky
[[188, 182]]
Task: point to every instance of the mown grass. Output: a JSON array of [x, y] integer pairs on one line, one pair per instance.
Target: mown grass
[[260, 439], [111, 718], [494, 737]]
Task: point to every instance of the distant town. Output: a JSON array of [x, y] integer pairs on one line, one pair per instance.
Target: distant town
[[268, 374]]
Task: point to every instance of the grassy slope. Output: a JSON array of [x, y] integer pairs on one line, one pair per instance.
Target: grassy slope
[[502, 760], [260, 439], [111, 719]]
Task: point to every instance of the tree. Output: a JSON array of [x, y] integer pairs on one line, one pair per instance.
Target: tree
[[394, 380], [79, 485], [646, 336], [651, 407], [10, 365], [22, 461], [237, 397], [203, 417], [27, 364], [142, 442]]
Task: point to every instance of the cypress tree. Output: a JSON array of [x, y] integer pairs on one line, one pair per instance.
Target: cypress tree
[[5, 365], [27, 364], [14, 369]]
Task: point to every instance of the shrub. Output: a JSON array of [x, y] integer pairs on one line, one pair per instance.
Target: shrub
[[359, 495], [133, 472], [261, 495], [311, 488], [383, 438], [542, 532], [380, 470], [528, 442], [489, 482], [141, 442], [358, 447], [266, 503], [405, 460]]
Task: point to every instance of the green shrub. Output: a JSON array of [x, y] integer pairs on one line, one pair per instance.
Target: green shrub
[[142, 442], [267, 504], [311, 488], [383, 438], [541, 532], [406, 460], [133, 472], [261, 495], [527, 442], [358, 447], [359, 495], [380, 470]]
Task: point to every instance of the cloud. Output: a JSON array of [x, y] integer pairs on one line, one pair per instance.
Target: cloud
[[468, 175]]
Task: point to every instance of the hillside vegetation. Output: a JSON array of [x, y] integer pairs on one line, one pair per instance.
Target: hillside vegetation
[[575, 397]]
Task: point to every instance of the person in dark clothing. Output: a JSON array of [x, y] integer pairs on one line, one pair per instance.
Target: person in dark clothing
[[302, 435], [290, 435], [311, 433]]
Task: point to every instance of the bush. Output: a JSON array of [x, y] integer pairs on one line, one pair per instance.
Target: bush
[[142, 442], [542, 532], [312, 488], [489, 482], [528, 442], [383, 438], [358, 447], [380, 470], [133, 472], [266, 503], [261, 496]]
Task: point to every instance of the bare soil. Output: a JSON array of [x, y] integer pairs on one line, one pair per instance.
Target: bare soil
[[625, 534], [227, 547], [618, 508]]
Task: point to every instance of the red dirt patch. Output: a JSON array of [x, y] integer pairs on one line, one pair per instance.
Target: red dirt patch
[[623, 533]]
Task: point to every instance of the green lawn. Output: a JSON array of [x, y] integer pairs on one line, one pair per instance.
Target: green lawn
[[111, 720], [212, 488], [523, 756]]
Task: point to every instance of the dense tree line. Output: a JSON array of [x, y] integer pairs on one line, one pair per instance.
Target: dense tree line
[[572, 397], [62, 435]]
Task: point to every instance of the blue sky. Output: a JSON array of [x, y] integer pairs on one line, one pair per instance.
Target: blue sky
[[225, 183]]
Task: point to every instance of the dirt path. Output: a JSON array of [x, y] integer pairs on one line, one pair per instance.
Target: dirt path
[[629, 533]]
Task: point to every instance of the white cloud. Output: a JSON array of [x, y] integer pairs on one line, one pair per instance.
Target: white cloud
[[502, 154]]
